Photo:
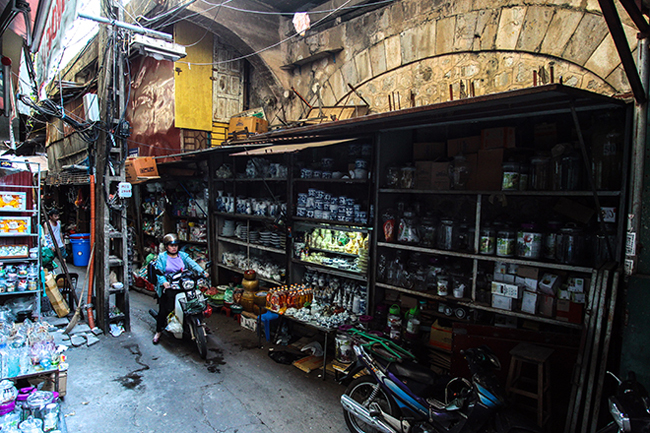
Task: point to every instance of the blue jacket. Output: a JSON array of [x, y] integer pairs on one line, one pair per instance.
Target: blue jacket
[[161, 265]]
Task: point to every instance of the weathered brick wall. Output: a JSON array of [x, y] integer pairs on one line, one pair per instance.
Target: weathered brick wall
[[424, 47]]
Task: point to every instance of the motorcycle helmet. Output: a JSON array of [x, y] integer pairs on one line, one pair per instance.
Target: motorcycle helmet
[[170, 239]]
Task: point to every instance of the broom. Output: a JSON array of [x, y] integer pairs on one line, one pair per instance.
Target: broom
[[77, 312]]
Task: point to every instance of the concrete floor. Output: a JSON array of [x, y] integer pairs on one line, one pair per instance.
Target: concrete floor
[[126, 384]]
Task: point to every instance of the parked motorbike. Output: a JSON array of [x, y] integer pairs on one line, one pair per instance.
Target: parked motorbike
[[629, 406], [400, 396], [190, 307]]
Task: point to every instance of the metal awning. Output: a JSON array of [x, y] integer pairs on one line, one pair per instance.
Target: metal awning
[[289, 148]]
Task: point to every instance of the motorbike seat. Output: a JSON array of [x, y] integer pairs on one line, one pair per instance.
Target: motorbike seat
[[420, 379]]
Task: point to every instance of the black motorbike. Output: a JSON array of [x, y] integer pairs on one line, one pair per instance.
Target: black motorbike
[[629, 406], [400, 396], [190, 309]]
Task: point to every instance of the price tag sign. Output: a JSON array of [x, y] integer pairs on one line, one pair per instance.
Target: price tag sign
[[630, 244], [124, 190]]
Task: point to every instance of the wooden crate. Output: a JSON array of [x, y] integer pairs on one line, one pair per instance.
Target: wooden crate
[[219, 133]]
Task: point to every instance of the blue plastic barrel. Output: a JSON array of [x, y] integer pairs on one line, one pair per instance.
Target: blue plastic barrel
[[80, 248]]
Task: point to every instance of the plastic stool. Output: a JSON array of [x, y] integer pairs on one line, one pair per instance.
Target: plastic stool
[[538, 357], [266, 319], [226, 310]]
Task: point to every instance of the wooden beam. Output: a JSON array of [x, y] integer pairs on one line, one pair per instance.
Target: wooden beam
[[636, 15], [616, 30]]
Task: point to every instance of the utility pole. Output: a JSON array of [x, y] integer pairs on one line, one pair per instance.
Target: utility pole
[[111, 238]]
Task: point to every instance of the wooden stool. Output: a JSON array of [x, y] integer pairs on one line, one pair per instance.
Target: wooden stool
[[516, 383]]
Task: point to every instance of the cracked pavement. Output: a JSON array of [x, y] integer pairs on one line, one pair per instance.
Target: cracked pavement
[[127, 384]]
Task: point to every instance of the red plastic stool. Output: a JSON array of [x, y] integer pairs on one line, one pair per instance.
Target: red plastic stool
[[226, 310]]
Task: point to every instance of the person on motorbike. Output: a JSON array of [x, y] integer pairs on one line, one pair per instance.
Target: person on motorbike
[[170, 262]]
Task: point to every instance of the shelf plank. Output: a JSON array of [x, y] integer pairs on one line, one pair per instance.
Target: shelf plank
[[339, 253], [187, 217], [258, 179], [332, 271], [468, 303], [244, 216], [252, 245], [336, 181], [487, 258], [487, 193], [23, 293], [241, 271], [333, 224]]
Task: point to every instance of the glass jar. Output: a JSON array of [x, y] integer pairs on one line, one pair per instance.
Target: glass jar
[[510, 176], [539, 173], [571, 245], [487, 243], [571, 172], [443, 285], [407, 177], [463, 238], [524, 170], [393, 177], [446, 234], [408, 230], [551, 240], [529, 242], [428, 232], [459, 172], [506, 242], [607, 148]]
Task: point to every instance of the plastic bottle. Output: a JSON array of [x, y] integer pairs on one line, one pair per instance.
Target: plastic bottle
[[4, 359], [413, 322]]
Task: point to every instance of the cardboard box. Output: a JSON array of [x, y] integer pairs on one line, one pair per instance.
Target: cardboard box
[[440, 336], [248, 321], [529, 302], [489, 171], [472, 164], [546, 305], [253, 125], [507, 290], [568, 311], [549, 283], [501, 302], [309, 363], [141, 168], [498, 138], [576, 285], [465, 145], [528, 272], [428, 151], [432, 175]]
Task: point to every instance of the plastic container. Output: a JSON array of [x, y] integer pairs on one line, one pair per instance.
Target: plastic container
[[506, 242], [529, 242], [80, 249], [510, 176]]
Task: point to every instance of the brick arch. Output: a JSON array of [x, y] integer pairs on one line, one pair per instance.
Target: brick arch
[[576, 41]]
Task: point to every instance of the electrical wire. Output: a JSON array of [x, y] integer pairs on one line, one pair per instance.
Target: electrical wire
[[207, 30], [312, 12], [263, 49]]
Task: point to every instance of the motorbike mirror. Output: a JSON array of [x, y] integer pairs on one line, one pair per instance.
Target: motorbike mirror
[[618, 381]]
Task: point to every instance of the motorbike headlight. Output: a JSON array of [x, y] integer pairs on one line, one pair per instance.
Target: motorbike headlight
[[620, 418], [188, 284]]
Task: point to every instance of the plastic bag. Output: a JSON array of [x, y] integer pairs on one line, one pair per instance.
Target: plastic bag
[[173, 324]]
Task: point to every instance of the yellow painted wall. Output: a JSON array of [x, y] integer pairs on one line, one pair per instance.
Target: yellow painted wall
[[193, 86]]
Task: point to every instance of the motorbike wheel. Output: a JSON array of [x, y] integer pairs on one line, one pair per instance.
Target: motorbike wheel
[[199, 337], [366, 390]]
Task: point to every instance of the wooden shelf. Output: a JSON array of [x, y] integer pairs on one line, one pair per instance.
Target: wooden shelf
[[337, 225], [241, 271], [465, 302], [487, 258], [514, 193], [245, 217], [251, 245], [332, 271]]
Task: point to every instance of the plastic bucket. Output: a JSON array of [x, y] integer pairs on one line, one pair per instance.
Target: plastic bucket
[[80, 249]]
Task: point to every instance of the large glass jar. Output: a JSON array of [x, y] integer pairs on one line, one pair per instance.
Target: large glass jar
[[524, 176], [407, 177], [393, 177], [487, 244], [571, 172], [540, 167], [529, 242], [607, 148], [572, 245], [510, 176], [428, 232], [446, 234], [551, 240], [506, 243], [408, 229], [459, 172]]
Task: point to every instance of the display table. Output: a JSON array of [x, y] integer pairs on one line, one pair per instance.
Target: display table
[[53, 375]]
